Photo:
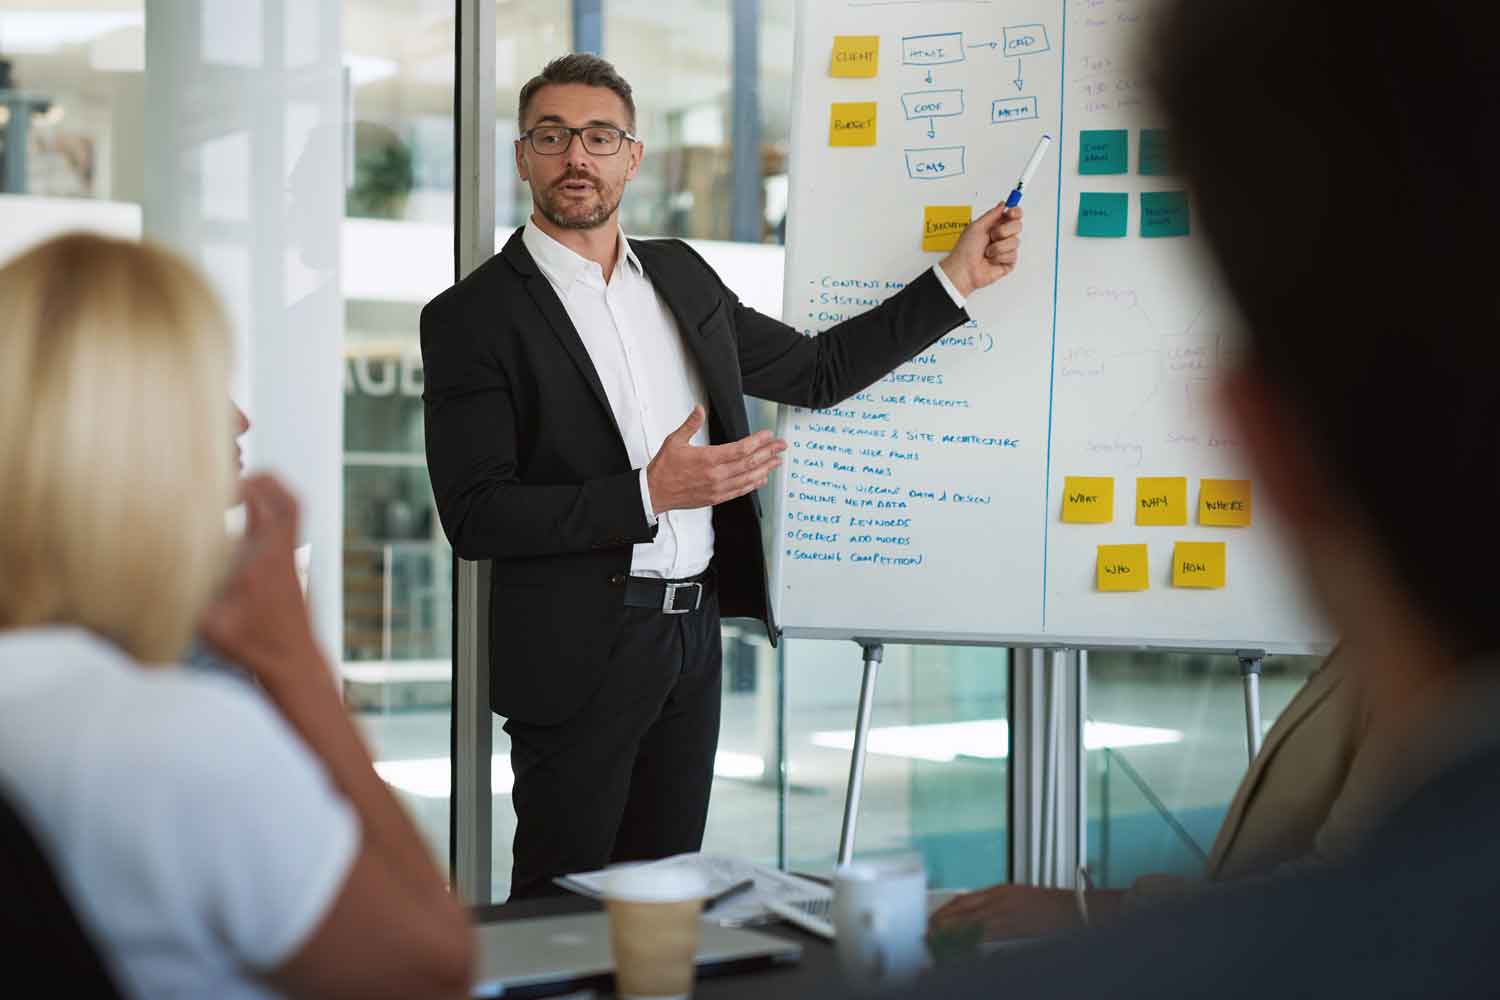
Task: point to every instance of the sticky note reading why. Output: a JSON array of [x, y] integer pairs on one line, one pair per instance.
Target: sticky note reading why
[[1224, 503], [1198, 564], [943, 224], [1088, 500], [1123, 567], [1161, 500], [856, 56], [1164, 213], [1156, 152], [1102, 214], [852, 124], [1103, 152]]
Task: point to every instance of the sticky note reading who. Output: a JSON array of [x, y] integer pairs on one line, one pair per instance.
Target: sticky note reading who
[[1156, 152], [1123, 568], [1103, 152], [1199, 565], [943, 224], [1103, 214], [1161, 500], [1088, 500], [852, 124], [856, 56], [1224, 503]]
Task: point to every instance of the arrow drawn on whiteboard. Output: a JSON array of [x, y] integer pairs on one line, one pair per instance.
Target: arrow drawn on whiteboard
[[985, 45], [1018, 81], [929, 76], [932, 128]]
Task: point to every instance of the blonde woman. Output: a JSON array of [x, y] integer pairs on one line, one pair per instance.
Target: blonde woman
[[216, 840]]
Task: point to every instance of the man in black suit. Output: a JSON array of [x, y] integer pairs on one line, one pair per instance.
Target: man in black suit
[[586, 431]]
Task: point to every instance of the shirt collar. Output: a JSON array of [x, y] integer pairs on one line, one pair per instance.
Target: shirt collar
[[563, 266]]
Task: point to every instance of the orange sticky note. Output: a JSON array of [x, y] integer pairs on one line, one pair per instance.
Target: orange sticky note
[[1123, 568], [1161, 500], [1199, 564], [1088, 500], [1224, 503], [942, 225], [855, 56], [852, 123]]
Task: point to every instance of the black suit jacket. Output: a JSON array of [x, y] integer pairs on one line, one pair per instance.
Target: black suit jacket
[[530, 471]]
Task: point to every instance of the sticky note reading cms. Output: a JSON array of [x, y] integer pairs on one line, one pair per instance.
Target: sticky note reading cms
[[1161, 500], [1123, 568], [1224, 503], [1103, 151], [943, 224], [855, 56], [1088, 500], [852, 124], [1164, 213], [1199, 565], [1103, 215]]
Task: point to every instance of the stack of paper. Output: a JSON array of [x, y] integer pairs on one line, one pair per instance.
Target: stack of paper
[[722, 872]]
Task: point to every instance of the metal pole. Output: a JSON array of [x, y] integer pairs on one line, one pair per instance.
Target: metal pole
[[1250, 671], [874, 653], [1051, 769], [746, 219], [1081, 764]]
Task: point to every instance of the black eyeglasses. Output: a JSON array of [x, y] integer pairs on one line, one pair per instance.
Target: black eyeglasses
[[598, 140]]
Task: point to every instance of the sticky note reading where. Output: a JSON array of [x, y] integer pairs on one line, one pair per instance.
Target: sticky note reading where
[[1164, 213], [1088, 500], [1123, 567], [1156, 152], [1102, 214], [852, 123], [1161, 500], [1224, 503], [1103, 152], [1199, 564], [855, 56], [943, 224]]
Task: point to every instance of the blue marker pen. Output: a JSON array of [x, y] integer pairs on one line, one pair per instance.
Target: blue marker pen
[[1031, 165]]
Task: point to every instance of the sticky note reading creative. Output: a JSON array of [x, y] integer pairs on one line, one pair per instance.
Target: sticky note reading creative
[[943, 224], [1161, 500], [1103, 214], [1123, 568], [1088, 500], [1164, 213], [1103, 152], [855, 56], [852, 123], [1224, 503], [1199, 565]]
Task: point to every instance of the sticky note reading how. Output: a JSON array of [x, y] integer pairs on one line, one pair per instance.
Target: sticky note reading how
[[1199, 564], [1156, 152], [1224, 503], [1161, 500], [1102, 214], [1164, 213], [852, 123], [1123, 567], [1103, 152], [1088, 500], [943, 224], [855, 56]]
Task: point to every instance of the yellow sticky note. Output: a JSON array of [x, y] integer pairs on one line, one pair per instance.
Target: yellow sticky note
[[1224, 503], [1161, 500], [943, 224], [1123, 568], [1199, 564], [852, 123], [856, 56], [1088, 500]]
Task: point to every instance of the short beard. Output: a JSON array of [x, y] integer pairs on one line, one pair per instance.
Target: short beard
[[593, 220]]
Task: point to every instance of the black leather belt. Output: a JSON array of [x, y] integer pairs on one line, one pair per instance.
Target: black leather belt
[[670, 597]]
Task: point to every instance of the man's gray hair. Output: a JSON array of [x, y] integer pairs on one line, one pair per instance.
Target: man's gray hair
[[578, 67]]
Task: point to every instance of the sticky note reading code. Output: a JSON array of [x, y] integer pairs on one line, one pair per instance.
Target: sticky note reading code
[[1123, 568], [1088, 500], [1224, 503], [1103, 215], [856, 56], [1103, 152], [1199, 565], [943, 224], [1164, 213], [1161, 500], [852, 123]]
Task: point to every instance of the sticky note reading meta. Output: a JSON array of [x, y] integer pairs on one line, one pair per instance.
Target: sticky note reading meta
[[1104, 152], [1224, 503], [852, 123], [1161, 500], [1199, 565], [1088, 500], [1103, 215], [943, 224], [1164, 213], [856, 56], [1123, 568], [1156, 152]]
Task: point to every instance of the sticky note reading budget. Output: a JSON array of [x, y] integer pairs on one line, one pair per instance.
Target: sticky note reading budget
[[1224, 503], [1103, 214], [1103, 152], [852, 123], [1199, 565], [1088, 500], [1123, 567], [943, 224], [856, 56], [1164, 213], [1161, 500]]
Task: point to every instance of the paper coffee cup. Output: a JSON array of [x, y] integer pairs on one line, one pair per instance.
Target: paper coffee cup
[[653, 929]]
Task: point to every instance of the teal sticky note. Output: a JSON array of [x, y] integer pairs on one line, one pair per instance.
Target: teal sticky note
[[1156, 152], [1164, 213], [1104, 152], [1102, 214]]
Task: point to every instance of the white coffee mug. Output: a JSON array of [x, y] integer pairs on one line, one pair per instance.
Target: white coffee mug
[[880, 920]]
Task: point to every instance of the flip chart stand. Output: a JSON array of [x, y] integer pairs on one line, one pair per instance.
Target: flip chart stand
[[1250, 670], [874, 653]]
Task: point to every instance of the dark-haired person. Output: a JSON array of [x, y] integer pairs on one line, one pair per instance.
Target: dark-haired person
[[586, 430]]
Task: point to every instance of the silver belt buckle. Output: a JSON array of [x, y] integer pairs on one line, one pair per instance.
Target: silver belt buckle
[[669, 604]]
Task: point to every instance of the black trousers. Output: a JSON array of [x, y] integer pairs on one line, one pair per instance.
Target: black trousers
[[628, 777]]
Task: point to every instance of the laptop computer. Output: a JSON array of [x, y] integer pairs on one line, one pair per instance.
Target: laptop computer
[[547, 955]]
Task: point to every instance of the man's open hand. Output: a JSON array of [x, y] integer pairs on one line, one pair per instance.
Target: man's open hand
[[685, 476], [987, 250]]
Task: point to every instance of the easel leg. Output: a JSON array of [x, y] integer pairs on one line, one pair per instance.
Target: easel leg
[[1250, 672], [874, 653]]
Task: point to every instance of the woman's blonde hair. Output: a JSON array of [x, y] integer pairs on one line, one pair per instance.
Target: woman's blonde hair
[[115, 462]]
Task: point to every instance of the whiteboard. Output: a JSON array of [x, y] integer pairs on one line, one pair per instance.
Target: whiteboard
[[929, 507]]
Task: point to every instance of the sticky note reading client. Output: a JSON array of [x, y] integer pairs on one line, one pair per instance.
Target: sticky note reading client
[[942, 225], [1199, 565], [1224, 503], [1161, 500], [852, 123], [1123, 568], [1088, 500], [856, 56]]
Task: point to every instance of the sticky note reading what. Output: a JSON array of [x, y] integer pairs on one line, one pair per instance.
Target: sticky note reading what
[[1164, 213], [1199, 564], [1161, 500], [1104, 152], [1224, 503], [1156, 152], [855, 56], [1123, 568], [1103, 214], [1088, 500], [943, 224], [852, 124]]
